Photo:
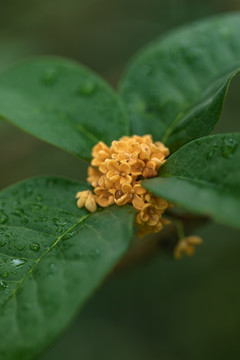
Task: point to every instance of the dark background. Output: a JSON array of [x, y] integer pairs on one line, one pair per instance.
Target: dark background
[[163, 309]]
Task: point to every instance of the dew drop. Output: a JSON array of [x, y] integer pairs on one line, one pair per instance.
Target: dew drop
[[94, 254], [60, 225], [3, 217], [5, 275], [35, 207], [25, 220], [38, 197], [28, 191], [34, 247], [3, 285], [18, 263], [88, 88], [18, 212], [69, 235], [209, 155], [229, 147], [212, 152], [50, 76], [2, 243]]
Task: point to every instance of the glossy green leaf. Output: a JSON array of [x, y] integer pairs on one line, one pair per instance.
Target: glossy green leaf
[[63, 103], [204, 177], [52, 257], [175, 88]]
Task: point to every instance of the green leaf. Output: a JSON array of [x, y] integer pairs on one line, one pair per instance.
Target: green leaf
[[52, 257], [204, 177], [63, 103], [175, 88]]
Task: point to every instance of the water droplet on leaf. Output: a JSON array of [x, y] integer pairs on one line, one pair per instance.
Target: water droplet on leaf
[[50, 76], [2, 243], [69, 235], [209, 155], [3, 217], [229, 147], [38, 197], [88, 88], [18, 212], [3, 285], [18, 263], [95, 253], [34, 247]]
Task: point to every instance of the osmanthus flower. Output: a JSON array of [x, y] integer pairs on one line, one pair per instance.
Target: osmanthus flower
[[87, 199], [131, 194], [116, 173], [186, 246], [146, 229], [95, 177], [100, 152], [104, 197]]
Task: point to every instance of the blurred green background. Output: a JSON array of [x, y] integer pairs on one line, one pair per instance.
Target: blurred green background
[[163, 309]]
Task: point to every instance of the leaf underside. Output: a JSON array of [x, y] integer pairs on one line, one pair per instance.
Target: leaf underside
[[52, 257], [63, 103], [204, 177], [175, 88]]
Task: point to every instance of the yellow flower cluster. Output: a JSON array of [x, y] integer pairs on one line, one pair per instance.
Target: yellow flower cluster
[[116, 173]]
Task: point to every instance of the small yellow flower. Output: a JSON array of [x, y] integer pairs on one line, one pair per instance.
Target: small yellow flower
[[150, 169], [149, 215], [95, 177], [145, 139], [137, 167], [118, 173], [87, 199], [130, 194], [186, 246], [163, 149], [104, 196], [127, 151], [145, 152], [157, 202], [100, 152], [127, 147], [144, 230]]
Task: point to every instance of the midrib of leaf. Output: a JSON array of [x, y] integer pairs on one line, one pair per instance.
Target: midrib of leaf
[[41, 257], [81, 127], [178, 117]]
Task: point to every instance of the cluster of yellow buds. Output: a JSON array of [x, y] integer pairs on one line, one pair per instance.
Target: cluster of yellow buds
[[116, 173]]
